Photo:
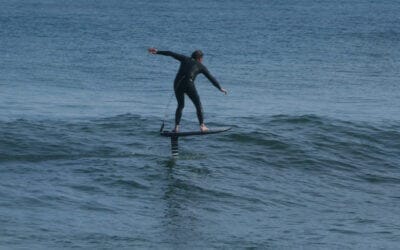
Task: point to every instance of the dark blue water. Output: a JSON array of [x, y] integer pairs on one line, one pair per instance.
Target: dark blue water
[[312, 160]]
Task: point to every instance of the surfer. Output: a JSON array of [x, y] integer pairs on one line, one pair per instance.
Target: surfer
[[184, 83]]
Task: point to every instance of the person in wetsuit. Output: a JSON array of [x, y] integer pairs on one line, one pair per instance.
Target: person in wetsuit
[[184, 83]]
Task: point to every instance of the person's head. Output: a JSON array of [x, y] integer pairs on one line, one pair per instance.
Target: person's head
[[197, 55]]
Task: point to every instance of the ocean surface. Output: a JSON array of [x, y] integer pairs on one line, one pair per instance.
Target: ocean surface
[[312, 160]]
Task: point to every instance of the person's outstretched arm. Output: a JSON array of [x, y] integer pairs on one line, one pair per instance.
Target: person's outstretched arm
[[213, 80], [177, 56]]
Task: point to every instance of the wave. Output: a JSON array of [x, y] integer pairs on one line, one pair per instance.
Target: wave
[[315, 141], [32, 141], [307, 141]]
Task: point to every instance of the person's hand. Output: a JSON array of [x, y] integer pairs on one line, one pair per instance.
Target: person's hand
[[152, 51], [224, 91]]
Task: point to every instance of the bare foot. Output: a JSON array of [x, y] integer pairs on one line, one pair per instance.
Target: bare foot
[[203, 128], [176, 129]]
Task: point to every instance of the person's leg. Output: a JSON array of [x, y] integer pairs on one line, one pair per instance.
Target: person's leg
[[180, 98], [194, 96]]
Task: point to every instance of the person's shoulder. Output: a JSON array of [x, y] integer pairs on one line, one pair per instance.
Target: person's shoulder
[[202, 66], [190, 60]]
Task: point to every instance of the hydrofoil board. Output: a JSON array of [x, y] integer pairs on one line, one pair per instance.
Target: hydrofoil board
[[189, 133]]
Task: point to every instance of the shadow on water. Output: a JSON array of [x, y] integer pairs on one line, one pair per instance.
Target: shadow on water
[[180, 224], [171, 162]]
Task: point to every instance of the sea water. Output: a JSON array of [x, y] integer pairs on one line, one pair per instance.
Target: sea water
[[312, 160]]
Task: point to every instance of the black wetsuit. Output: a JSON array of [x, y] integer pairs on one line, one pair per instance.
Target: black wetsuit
[[184, 83]]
